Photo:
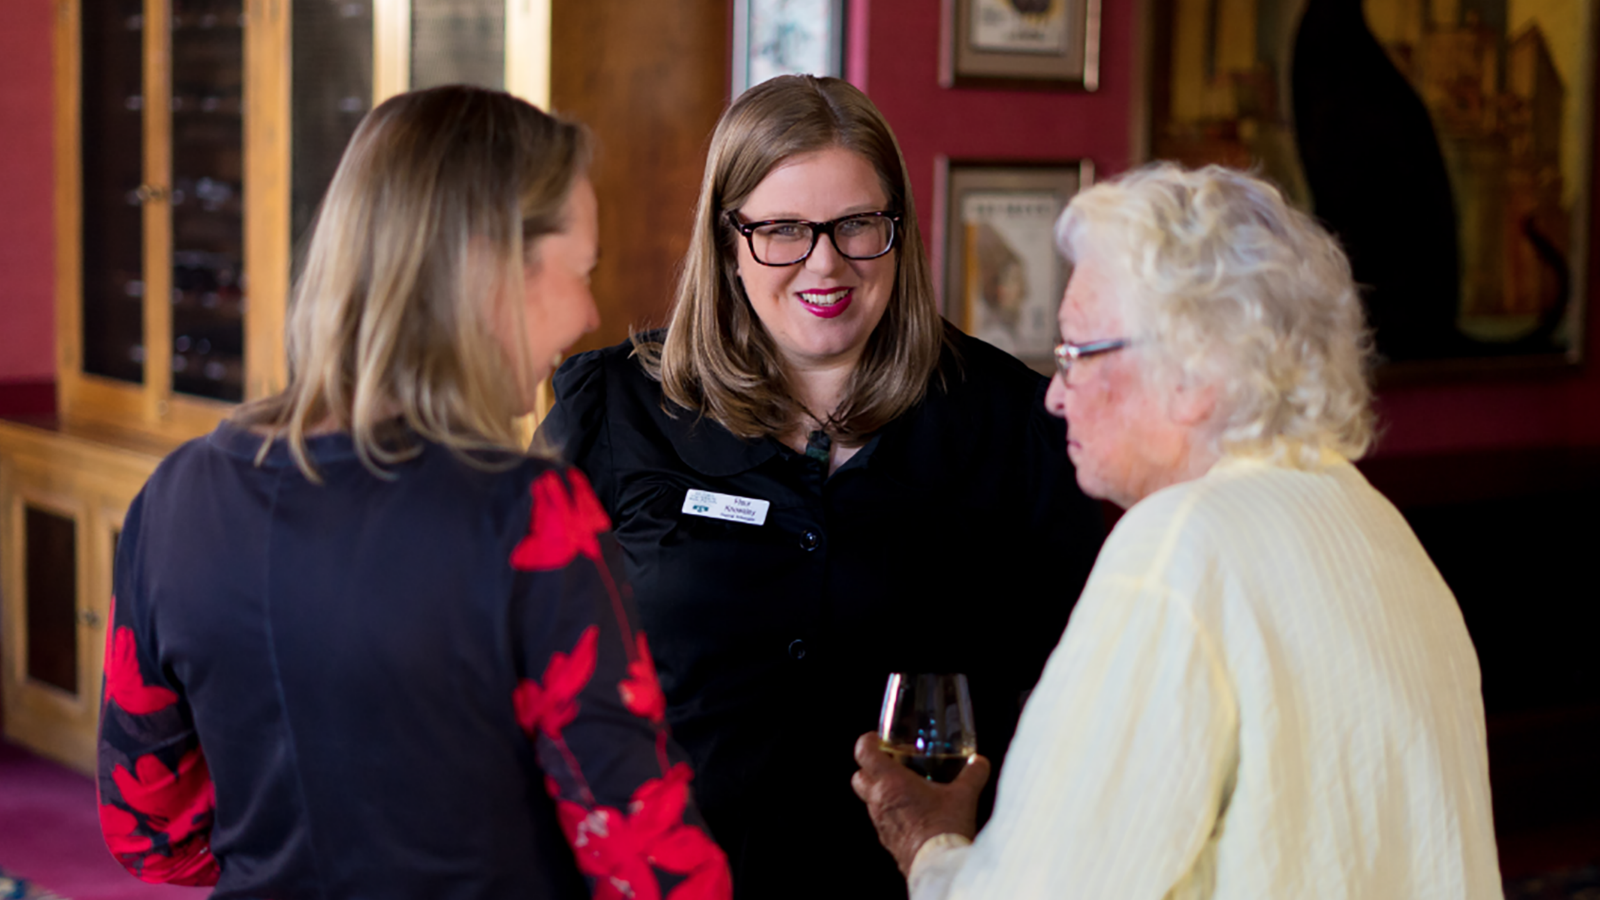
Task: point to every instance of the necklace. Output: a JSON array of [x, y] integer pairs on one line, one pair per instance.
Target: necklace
[[818, 443]]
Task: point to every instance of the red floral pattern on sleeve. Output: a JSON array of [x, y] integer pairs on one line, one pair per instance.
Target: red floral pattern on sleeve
[[176, 803], [565, 525], [641, 690], [550, 706], [121, 831], [176, 807], [156, 820], [620, 851], [124, 683], [620, 848]]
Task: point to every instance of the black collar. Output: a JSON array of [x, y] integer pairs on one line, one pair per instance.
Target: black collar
[[707, 447]]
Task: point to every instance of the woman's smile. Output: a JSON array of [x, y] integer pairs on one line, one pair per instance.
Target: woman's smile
[[826, 303]]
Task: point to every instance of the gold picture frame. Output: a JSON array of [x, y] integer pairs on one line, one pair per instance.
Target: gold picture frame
[[1020, 43], [1003, 277], [1448, 145]]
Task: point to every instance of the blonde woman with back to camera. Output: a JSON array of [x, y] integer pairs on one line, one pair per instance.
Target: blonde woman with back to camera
[[363, 643], [1266, 689], [816, 482]]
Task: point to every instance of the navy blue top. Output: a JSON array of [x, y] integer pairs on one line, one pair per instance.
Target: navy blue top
[[424, 686]]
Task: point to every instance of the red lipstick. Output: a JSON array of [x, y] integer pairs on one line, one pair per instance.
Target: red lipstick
[[831, 307]]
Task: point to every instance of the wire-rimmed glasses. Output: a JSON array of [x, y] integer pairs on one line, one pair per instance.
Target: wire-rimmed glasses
[[1068, 353], [785, 242]]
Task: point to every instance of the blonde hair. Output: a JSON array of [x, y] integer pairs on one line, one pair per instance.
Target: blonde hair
[[717, 358], [1222, 279], [427, 225]]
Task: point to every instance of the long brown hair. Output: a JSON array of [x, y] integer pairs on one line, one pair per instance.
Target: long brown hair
[[717, 358], [424, 230]]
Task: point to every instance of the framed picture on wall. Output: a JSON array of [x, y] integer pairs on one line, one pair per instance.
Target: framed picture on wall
[[786, 37], [1446, 143], [1013, 43], [1003, 278]]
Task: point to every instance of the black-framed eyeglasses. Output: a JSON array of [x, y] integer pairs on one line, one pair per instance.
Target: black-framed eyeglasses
[[1068, 353], [785, 242]]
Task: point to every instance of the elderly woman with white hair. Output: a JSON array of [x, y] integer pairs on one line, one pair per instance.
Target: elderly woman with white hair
[[1266, 689]]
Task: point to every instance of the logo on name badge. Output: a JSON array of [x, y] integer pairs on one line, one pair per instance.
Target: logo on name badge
[[728, 507]]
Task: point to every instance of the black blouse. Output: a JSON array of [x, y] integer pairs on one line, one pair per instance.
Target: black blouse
[[955, 540]]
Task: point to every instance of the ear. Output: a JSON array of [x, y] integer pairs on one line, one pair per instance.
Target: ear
[[1192, 403]]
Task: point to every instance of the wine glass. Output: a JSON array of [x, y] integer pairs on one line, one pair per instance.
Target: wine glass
[[926, 724]]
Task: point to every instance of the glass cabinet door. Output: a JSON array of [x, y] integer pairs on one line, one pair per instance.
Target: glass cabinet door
[[207, 198], [197, 138], [111, 122], [332, 90], [153, 118]]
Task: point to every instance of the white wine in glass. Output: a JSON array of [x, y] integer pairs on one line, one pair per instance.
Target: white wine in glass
[[926, 724]]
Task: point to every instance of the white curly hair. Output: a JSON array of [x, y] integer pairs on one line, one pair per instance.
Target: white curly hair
[[1220, 280]]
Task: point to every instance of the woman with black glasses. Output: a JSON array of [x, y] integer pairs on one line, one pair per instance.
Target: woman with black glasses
[[817, 481]]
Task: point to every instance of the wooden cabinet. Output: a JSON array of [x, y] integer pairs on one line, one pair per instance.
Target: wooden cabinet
[[62, 499], [194, 139]]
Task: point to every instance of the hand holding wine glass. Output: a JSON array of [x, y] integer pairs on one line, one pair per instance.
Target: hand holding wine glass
[[926, 724]]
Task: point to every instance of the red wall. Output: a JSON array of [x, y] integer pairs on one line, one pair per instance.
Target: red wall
[[27, 246], [893, 56], [896, 61]]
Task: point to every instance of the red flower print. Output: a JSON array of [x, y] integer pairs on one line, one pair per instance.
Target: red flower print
[[607, 849], [564, 525], [192, 866], [658, 804], [124, 684], [549, 706], [119, 827], [641, 691], [620, 849], [178, 803], [710, 879]]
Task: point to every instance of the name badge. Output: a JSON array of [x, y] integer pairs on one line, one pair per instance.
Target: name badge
[[726, 506]]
